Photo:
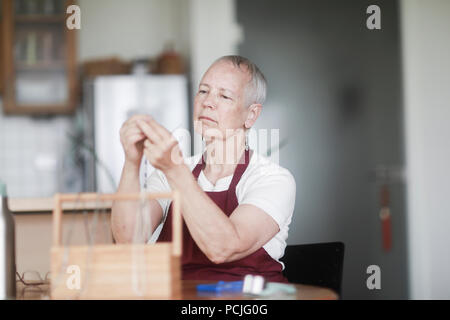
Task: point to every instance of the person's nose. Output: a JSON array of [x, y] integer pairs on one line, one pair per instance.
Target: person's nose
[[209, 102]]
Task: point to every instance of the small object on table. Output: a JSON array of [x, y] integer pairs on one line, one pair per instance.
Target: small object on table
[[253, 284], [274, 288], [221, 287], [257, 286]]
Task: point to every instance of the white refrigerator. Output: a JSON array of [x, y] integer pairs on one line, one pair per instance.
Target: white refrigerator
[[111, 100]]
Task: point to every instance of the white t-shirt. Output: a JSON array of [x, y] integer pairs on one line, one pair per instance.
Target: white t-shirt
[[264, 184]]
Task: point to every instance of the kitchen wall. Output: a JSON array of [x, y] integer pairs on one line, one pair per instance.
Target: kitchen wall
[[37, 155], [214, 32], [335, 94], [131, 29]]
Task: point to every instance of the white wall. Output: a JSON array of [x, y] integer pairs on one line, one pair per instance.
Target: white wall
[[426, 52], [202, 30], [128, 29], [213, 33]]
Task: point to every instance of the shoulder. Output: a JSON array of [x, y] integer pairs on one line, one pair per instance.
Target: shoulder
[[266, 180], [270, 187], [264, 169]]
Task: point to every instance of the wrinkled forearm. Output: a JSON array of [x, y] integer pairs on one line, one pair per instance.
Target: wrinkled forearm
[[123, 213]]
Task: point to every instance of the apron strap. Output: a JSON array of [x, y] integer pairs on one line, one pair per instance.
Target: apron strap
[[240, 169]]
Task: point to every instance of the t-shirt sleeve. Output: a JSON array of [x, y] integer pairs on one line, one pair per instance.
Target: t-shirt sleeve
[[271, 189], [156, 183]]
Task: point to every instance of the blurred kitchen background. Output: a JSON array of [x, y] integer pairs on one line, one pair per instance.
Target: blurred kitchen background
[[358, 110]]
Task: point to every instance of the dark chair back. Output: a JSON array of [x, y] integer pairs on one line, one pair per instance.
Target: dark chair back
[[318, 264]]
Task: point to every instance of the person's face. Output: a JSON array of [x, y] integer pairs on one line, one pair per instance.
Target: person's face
[[219, 105]]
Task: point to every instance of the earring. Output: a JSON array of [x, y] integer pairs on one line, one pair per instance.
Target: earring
[[246, 142], [203, 150]]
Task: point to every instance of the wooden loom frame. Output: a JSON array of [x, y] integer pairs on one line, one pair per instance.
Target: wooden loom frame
[[108, 271]]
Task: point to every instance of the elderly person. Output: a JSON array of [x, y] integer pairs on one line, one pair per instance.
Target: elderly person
[[236, 204]]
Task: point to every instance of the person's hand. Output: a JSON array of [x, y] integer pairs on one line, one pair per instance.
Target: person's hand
[[132, 139], [160, 146]]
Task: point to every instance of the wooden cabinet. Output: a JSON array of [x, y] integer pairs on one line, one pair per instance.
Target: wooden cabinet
[[39, 70]]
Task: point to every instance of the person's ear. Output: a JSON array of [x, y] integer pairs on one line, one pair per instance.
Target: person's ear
[[253, 113]]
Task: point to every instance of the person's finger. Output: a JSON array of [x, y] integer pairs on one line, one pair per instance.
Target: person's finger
[[131, 130], [149, 151], [172, 142], [155, 128], [159, 129], [148, 155], [167, 137], [148, 144], [131, 122], [135, 138], [147, 130]]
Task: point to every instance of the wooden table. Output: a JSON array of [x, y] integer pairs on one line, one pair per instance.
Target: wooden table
[[189, 292]]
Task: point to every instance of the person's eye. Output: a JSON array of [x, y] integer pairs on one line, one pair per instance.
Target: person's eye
[[226, 97], [202, 91]]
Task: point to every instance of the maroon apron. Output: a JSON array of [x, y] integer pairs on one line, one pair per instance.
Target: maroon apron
[[195, 264]]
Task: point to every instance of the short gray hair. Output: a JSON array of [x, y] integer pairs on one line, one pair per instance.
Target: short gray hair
[[257, 87]]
